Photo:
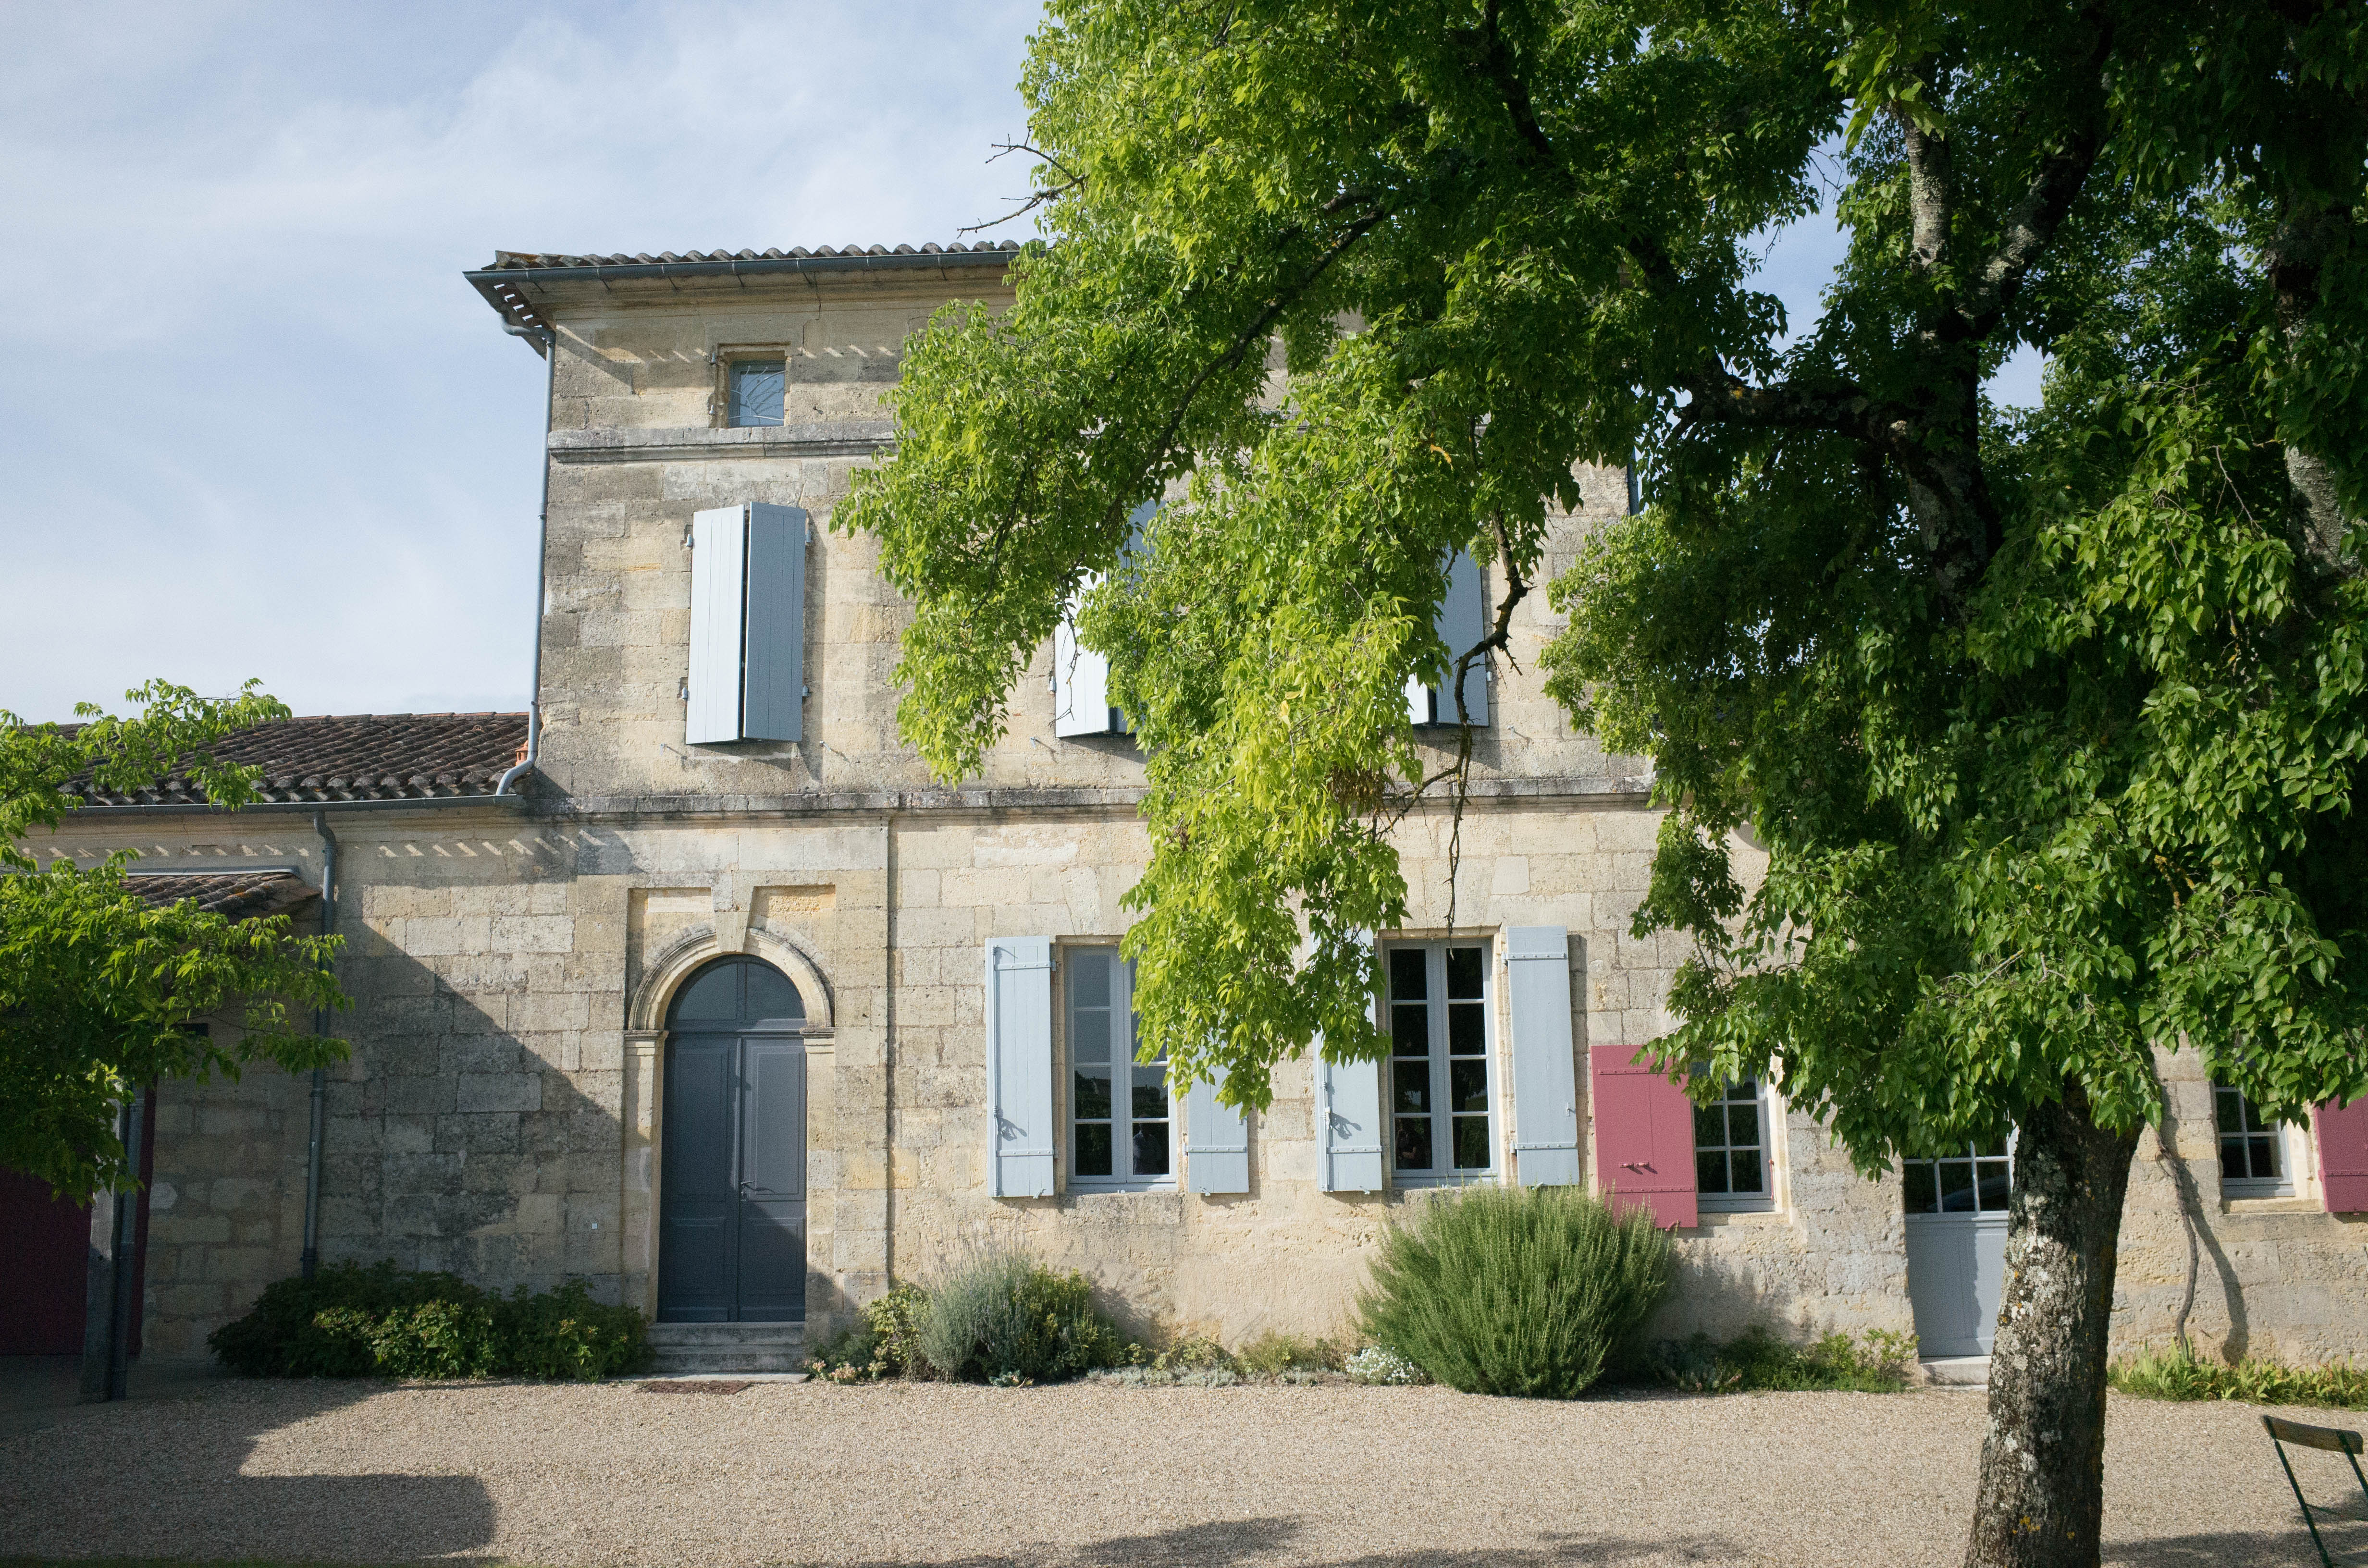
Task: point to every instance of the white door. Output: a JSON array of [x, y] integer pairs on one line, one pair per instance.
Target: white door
[[1956, 1247]]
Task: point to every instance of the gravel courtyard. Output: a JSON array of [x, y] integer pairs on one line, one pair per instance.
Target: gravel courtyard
[[805, 1473]]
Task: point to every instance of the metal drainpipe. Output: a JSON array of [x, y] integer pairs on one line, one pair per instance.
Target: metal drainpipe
[[311, 1255], [549, 341]]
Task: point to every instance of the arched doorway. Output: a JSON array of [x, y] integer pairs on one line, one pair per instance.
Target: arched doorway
[[732, 1188]]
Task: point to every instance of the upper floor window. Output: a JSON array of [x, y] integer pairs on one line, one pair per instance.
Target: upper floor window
[[2253, 1161], [754, 393], [1731, 1166], [1443, 1075], [1120, 1113]]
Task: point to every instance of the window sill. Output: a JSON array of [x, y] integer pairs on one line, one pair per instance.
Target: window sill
[[1432, 1183], [1712, 1218], [2267, 1203], [1121, 1189]]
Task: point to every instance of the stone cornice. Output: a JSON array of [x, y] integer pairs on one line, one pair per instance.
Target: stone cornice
[[835, 438]]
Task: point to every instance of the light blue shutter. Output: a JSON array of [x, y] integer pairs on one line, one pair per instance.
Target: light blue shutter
[[718, 567], [1019, 1066], [773, 704], [1080, 682], [1461, 621], [1348, 1120], [747, 624], [1081, 704], [1217, 1142], [1545, 1097]]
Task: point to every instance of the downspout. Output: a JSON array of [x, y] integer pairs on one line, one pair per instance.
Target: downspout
[[311, 1255], [888, 1043], [546, 343]]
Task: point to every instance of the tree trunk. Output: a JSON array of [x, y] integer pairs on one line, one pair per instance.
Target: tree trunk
[[2041, 1500]]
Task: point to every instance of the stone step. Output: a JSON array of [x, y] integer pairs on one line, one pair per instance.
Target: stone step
[[728, 1346], [728, 1334], [1957, 1371]]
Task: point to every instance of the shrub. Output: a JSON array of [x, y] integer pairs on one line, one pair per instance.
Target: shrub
[[1520, 1290], [1876, 1362], [1271, 1355], [1380, 1364], [1003, 1318], [885, 1343], [2341, 1386], [348, 1322]]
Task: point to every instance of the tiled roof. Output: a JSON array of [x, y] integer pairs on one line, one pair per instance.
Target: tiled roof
[[361, 757], [507, 260], [239, 894]]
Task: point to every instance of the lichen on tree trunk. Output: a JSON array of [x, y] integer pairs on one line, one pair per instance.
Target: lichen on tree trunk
[[2041, 1499]]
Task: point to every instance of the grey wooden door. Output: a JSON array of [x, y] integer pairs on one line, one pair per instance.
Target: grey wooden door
[[1956, 1247], [732, 1167]]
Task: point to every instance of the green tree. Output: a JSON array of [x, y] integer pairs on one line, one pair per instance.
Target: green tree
[[2049, 722], [100, 991]]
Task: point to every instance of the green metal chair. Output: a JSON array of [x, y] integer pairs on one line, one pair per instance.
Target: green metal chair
[[2335, 1440]]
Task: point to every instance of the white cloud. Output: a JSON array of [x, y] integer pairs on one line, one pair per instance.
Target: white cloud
[[254, 421]]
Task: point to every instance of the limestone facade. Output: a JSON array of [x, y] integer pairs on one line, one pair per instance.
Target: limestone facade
[[512, 961]]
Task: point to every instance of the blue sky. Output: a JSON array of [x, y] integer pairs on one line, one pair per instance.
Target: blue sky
[[251, 420]]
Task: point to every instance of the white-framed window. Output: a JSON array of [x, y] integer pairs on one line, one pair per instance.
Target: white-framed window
[[1732, 1173], [1442, 1071], [1978, 1179], [2254, 1159], [1121, 1119]]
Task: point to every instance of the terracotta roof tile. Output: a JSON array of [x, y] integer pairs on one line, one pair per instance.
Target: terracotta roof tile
[[241, 895], [359, 757]]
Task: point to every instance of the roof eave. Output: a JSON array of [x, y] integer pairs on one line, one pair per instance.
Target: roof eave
[[496, 284]]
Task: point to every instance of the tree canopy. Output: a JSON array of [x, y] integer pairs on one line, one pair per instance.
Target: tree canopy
[[102, 992], [2049, 722]]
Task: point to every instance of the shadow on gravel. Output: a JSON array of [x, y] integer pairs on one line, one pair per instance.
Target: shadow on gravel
[[2237, 1549], [170, 1474], [1234, 1541]]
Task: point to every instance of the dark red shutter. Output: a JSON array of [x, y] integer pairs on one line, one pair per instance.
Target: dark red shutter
[[2343, 1155], [1644, 1136]]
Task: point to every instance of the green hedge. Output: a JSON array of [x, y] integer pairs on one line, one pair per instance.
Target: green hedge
[[2340, 1386], [1521, 1290], [351, 1322]]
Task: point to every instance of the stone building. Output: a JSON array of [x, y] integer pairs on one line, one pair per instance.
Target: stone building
[[704, 991]]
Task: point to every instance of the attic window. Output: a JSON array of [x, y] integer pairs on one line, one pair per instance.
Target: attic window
[[756, 394]]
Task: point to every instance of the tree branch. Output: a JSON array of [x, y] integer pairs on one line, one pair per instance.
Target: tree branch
[[1496, 61]]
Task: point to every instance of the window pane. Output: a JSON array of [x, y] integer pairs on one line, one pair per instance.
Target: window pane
[[1089, 977], [1411, 1081], [2233, 1162], [1464, 968], [2265, 1158], [1413, 1143], [1744, 1089], [1923, 1194], [1468, 1028], [2228, 1108], [1409, 976], [770, 994], [1957, 1187], [1996, 1184], [1709, 1172], [1150, 1094], [756, 392], [1089, 1033], [1151, 1148], [1745, 1163], [1093, 1148], [1710, 1128], [1410, 1030], [714, 995], [1467, 1085], [1093, 1096], [1472, 1142], [1993, 1148], [1743, 1124]]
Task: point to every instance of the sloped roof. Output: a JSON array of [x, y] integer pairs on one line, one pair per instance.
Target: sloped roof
[[241, 895], [357, 757], [506, 283]]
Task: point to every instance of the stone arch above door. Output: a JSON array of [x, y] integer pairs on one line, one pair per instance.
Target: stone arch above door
[[664, 971]]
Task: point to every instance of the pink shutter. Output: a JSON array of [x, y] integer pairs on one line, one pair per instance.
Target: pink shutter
[[2343, 1155], [1644, 1136]]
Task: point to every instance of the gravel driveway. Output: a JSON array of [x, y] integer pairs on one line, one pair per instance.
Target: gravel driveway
[[787, 1473]]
